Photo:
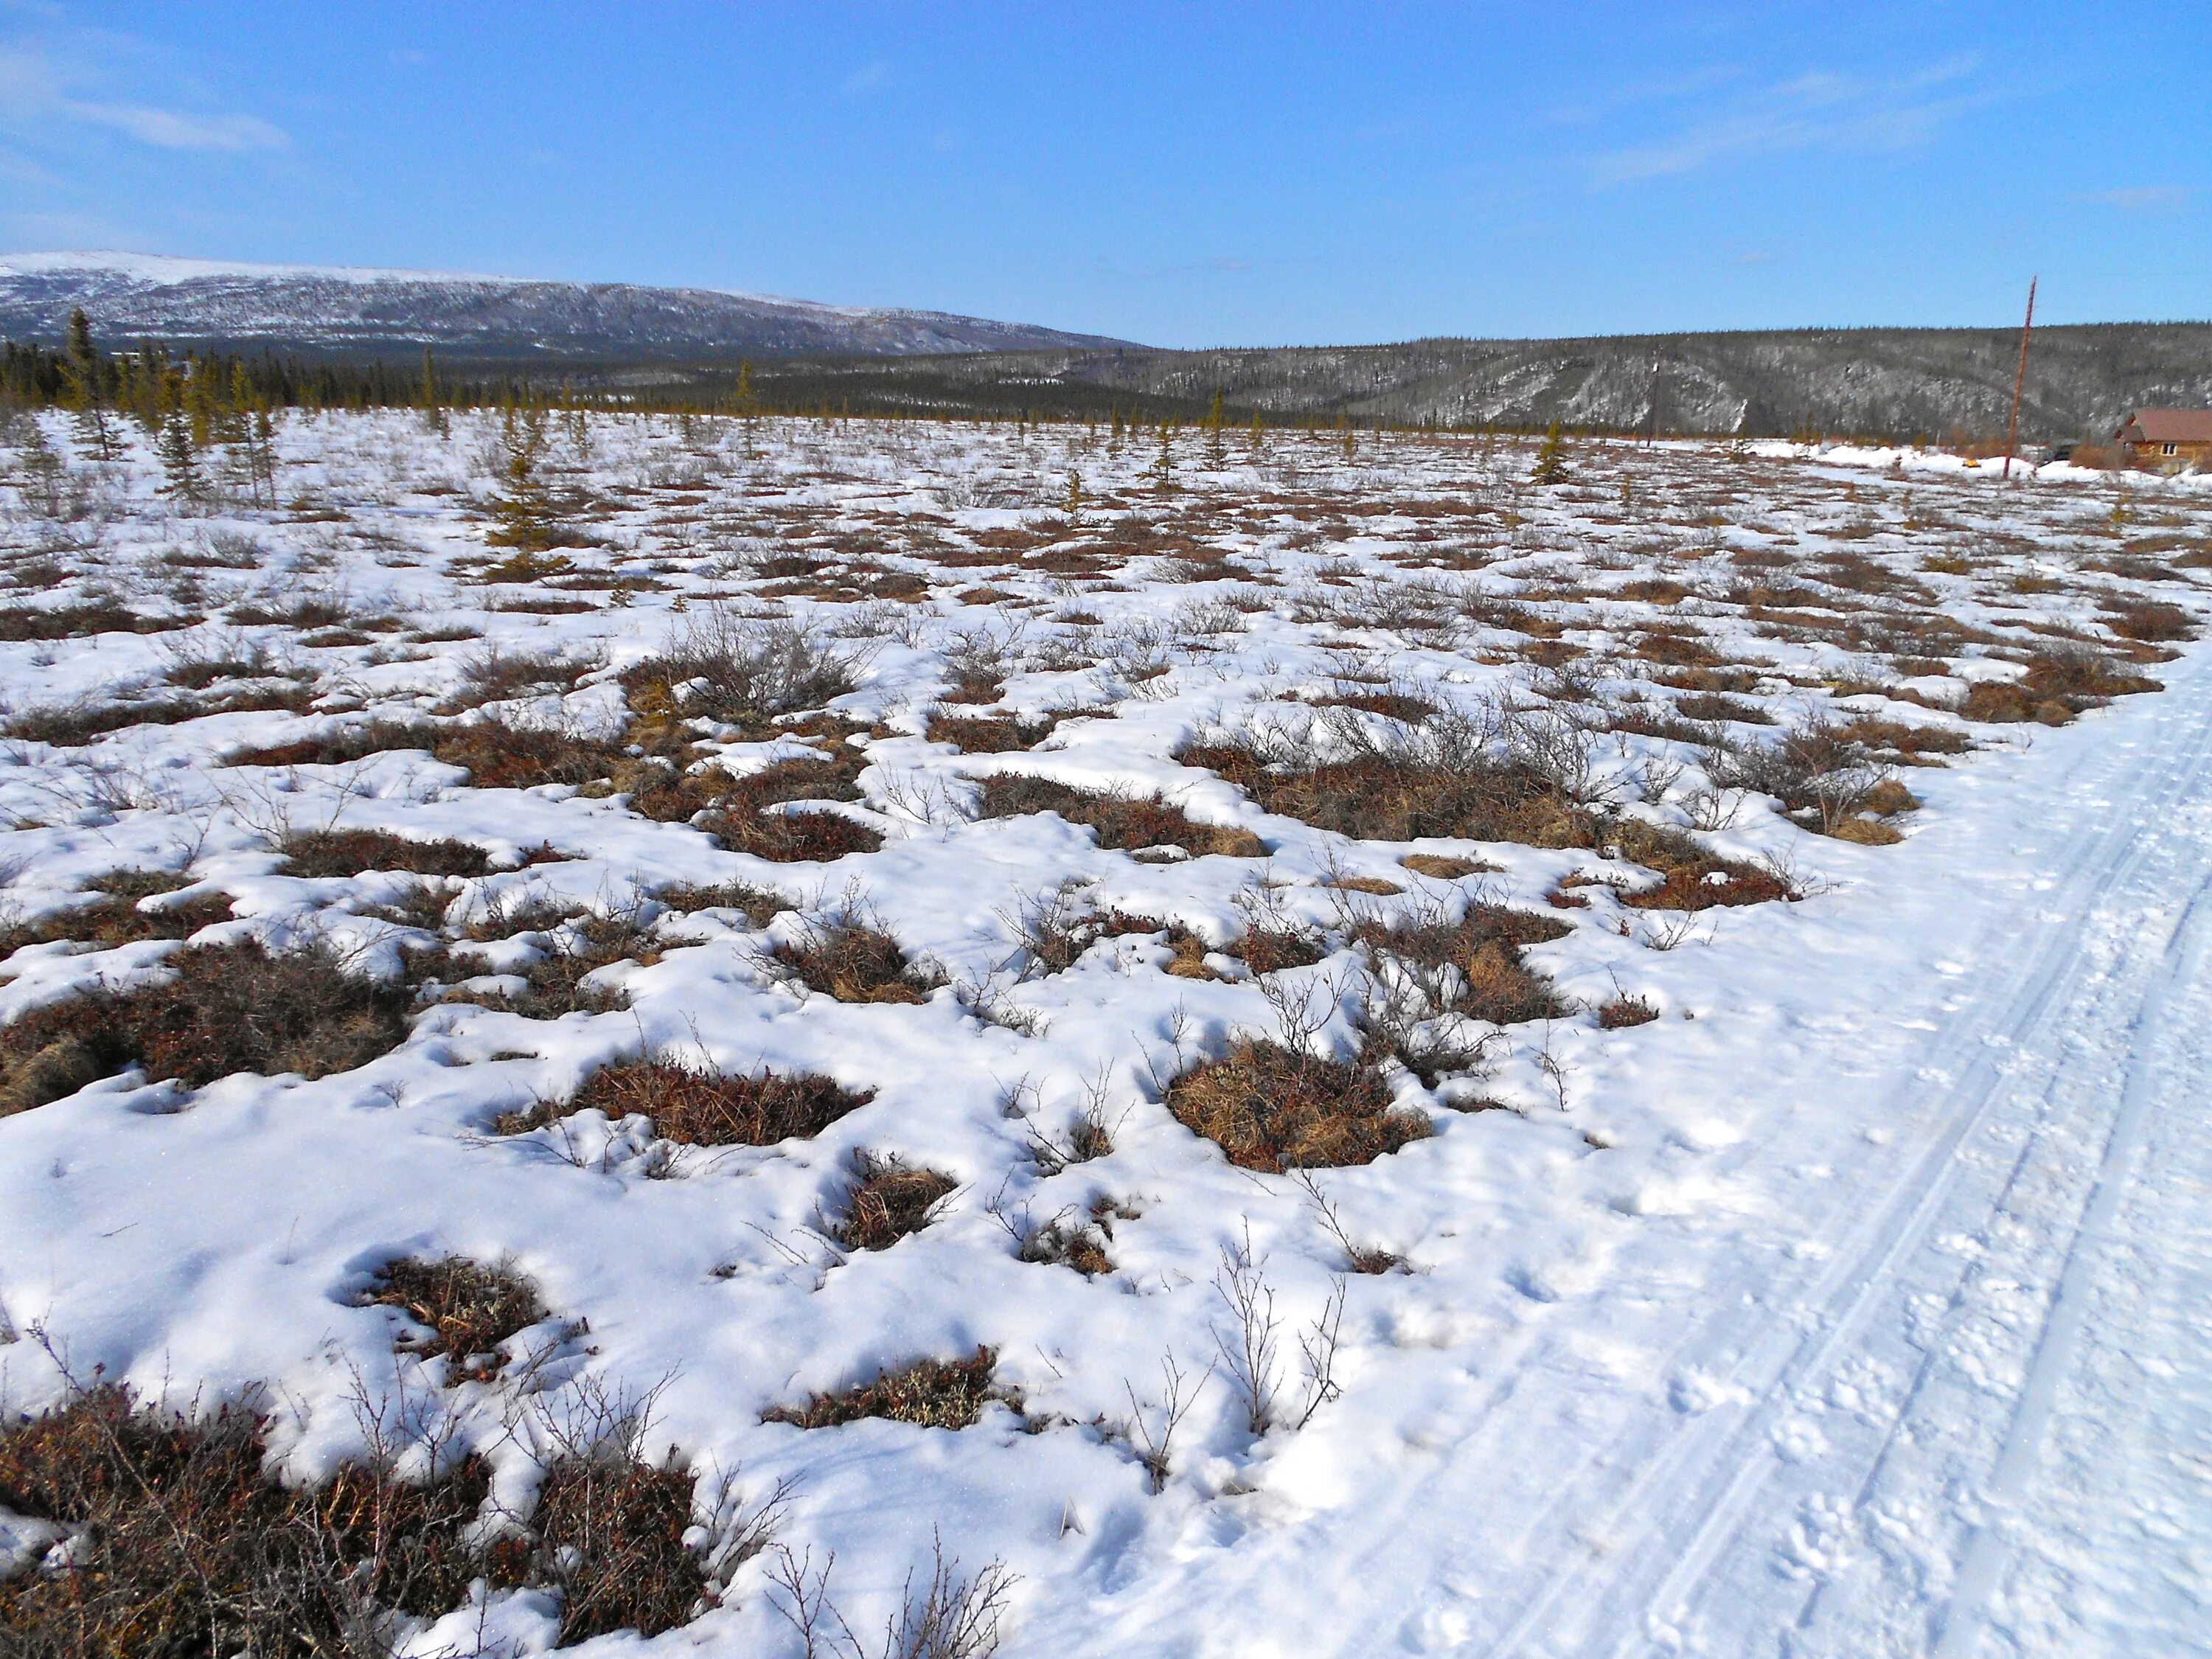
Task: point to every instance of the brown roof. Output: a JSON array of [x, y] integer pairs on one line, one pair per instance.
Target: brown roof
[[2169, 426]]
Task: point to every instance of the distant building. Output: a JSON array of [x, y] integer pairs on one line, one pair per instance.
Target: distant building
[[2167, 438]]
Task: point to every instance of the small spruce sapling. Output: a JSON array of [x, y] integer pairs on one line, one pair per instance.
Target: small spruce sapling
[[1552, 458]]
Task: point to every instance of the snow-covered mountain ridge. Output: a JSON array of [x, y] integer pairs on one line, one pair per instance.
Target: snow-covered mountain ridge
[[134, 296]]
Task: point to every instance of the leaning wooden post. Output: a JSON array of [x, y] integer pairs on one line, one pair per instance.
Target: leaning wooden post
[[2019, 380]]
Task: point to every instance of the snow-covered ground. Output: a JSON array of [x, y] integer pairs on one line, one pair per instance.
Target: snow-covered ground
[[1852, 1305]]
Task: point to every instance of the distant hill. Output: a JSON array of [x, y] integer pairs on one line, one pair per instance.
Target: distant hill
[[131, 297], [2081, 379]]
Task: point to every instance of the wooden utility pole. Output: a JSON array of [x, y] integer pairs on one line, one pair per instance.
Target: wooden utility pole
[[2019, 380]]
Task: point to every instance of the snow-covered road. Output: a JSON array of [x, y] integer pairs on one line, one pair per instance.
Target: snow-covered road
[[1955, 1395]]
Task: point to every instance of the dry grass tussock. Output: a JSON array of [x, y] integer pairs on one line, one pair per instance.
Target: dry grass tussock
[[853, 962], [221, 1009], [184, 1543], [1491, 775], [1471, 964], [735, 670], [2061, 682], [496, 756], [463, 1310], [124, 909], [700, 1108], [184, 1540], [1124, 822], [887, 1201], [570, 948], [1275, 1109], [325, 853], [930, 1394]]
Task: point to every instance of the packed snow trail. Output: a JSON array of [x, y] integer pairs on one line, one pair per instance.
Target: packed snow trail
[[1963, 1405]]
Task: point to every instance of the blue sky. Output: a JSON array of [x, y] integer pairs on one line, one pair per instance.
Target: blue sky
[[1185, 174]]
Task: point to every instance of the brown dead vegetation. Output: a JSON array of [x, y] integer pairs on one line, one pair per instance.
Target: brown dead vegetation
[[887, 1201], [184, 1539], [571, 947], [757, 905], [2062, 681], [855, 963], [327, 853], [463, 1310], [1274, 1108], [1123, 822], [930, 1394], [1471, 964], [990, 734], [125, 908], [77, 724], [223, 1009], [21, 623], [700, 1108], [1620, 1013]]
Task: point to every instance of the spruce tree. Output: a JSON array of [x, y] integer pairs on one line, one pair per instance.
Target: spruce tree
[[1551, 459], [87, 395], [180, 459]]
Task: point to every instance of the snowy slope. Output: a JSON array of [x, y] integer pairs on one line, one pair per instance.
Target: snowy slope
[[1851, 1305], [131, 296]]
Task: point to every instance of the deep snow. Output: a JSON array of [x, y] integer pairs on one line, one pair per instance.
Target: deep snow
[[1853, 1306]]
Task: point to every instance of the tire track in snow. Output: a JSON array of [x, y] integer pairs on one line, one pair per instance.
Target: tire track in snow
[[1704, 1489], [1989, 1551]]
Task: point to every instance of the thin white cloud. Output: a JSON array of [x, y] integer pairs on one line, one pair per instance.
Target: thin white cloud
[[1666, 89], [2141, 198], [73, 80], [1815, 111], [167, 129]]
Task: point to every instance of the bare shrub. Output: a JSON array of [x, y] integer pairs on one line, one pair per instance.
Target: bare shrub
[[1824, 777], [498, 675], [952, 1618], [846, 958], [1123, 822], [463, 1310], [930, 1394], [1471, 964], [183, 1540], [223, 1009], [1455, 775], [702, 1109], [1274, 1109], [887, 1201], [739, 671], [609, 1526]]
